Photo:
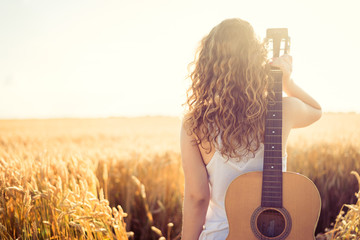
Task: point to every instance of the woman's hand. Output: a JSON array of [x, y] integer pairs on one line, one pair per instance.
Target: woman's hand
[[285, 64]]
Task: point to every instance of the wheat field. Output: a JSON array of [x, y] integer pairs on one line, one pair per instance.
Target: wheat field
[[121, 178]]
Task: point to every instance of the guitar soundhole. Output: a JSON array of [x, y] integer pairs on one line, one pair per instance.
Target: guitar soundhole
[[271, 223]]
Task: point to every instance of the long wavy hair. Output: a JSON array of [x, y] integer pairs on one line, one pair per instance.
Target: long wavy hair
[[229, 93]]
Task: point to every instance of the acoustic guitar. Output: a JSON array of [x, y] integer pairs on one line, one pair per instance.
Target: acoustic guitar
[[272, 204]]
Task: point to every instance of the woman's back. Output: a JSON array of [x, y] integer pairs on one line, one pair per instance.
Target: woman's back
[[221, 172], [227, 105]]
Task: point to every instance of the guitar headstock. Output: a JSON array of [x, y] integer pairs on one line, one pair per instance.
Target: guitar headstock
[[277, 40]]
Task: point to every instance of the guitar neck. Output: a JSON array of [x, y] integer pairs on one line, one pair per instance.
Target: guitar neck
[[272, 169]]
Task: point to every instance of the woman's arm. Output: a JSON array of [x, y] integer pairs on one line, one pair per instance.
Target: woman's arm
[[301, 109], [197, 192]]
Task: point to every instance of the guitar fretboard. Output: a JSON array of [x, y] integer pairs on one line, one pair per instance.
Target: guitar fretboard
[[271, 195]]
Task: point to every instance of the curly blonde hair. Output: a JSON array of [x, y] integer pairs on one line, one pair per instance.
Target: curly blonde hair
[[229, 93]]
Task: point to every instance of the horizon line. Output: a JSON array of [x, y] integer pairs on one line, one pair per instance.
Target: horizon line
[[137, 116]]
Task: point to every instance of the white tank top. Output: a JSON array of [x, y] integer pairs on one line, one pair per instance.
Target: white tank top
[[221, 173]]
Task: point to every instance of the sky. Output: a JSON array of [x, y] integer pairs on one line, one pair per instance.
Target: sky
[[86, 58]]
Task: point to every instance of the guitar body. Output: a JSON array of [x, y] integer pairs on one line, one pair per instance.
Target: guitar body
[[301, 201]]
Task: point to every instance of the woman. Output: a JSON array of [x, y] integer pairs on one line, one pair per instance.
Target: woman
[[222, 132]]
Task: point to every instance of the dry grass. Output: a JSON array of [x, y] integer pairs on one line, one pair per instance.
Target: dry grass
[[53, 197], [347, 226], [67, 178], [327, 152]]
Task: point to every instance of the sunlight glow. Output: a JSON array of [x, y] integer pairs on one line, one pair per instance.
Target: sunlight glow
[[129, 58]]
